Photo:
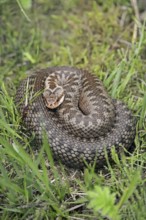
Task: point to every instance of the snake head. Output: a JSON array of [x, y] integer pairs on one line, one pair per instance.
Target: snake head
[[53, 97]]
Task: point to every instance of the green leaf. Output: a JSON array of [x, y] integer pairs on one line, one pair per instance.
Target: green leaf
[[103, 201], [26, 4]]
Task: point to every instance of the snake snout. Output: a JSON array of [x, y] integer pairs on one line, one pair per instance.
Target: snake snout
[[51, 101]]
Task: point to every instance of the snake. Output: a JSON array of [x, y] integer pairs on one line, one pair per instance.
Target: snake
[[82, 123]]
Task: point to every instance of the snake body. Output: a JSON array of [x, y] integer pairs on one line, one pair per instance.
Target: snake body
[[86, 122]]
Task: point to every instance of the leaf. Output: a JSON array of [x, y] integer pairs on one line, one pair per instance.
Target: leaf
[[26, 4], [101, 200]]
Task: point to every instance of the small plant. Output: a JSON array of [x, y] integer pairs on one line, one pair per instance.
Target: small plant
[[102, 201]]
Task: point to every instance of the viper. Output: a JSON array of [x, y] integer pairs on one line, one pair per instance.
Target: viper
[[81, 120]]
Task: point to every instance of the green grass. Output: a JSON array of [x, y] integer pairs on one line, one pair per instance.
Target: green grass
[[95, 36]]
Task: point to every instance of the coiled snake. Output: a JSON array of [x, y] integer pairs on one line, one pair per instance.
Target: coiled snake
[[79, 117]]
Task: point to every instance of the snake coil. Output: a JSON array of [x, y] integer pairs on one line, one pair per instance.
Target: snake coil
[[85, 122]]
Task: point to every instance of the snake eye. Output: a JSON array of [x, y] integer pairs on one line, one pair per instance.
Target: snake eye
[[47, 93]]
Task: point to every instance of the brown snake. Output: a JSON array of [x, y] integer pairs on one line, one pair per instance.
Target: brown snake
[[80, 119]]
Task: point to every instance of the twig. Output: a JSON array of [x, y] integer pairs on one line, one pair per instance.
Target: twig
[[136, 11], [22, 10]]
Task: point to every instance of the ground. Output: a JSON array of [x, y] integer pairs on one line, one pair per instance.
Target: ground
[[105, 37]]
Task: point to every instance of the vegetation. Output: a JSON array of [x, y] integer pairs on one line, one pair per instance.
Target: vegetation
[[109, 39]]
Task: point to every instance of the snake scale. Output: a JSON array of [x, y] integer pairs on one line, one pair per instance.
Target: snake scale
[[79, 117]]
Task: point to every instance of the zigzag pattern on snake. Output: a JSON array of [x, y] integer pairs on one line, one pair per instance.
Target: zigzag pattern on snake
[[86, 120]]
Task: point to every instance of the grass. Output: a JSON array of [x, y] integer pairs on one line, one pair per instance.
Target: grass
[[95, 35]]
